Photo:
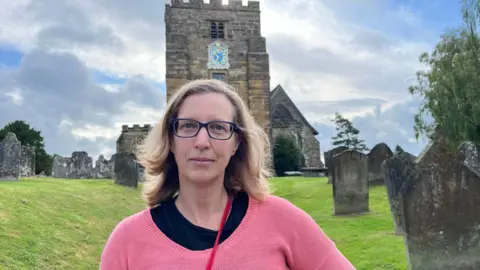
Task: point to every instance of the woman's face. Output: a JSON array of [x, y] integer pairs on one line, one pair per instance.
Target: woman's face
[[200, 158]]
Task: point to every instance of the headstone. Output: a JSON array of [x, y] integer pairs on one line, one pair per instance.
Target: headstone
[[126, 170], [350, 182], [396, 170], [10, 157], [328, 160], [377, 155], [440, 209]]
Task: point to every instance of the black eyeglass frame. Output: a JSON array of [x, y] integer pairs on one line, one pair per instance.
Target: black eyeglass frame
[[234, 128]]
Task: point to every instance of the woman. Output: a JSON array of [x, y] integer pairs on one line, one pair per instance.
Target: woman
[[205, 163]]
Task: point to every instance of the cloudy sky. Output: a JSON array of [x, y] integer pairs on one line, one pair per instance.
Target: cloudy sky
[[79, 69]]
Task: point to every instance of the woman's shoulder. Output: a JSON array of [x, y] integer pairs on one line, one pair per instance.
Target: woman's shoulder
[[131, 224], [282, 209]]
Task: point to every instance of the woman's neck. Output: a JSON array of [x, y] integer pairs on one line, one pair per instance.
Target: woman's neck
[[202, 206]]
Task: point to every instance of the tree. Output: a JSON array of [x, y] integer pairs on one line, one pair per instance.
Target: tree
[[449, 86], [287, 156], [347, 134], [28, 136]]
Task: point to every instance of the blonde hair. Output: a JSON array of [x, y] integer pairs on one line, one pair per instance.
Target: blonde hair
[[247, 169]]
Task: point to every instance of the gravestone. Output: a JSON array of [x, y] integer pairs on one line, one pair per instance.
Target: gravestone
[[10, 157], [350, 182], [440, 209], [396, 170], [376, 156], [126, 170], [328, 156]]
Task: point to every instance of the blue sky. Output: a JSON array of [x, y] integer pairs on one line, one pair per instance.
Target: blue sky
[[79, 80]]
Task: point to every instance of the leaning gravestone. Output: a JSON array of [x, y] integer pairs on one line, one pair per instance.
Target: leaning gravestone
[[377, 155], [440, 209], [126, 170], [328, 156], [10, 157], [396, 170], [350, 182]]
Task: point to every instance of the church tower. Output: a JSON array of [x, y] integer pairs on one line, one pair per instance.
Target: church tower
[[206, 39]]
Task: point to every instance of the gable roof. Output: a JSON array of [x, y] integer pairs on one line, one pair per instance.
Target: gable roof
[[278, 90]]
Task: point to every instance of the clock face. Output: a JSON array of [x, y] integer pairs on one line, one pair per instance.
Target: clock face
[[218, 56]]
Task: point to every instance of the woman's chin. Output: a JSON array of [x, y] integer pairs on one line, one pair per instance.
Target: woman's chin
[[202, 177]]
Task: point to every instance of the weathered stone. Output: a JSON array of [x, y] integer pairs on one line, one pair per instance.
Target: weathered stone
[[188, 28], [377, 155], [440, 209], [27, 161], [350, 182], [131, 137], [126, 170], [188, 34], [396, 170], [288, 120], [79, 166], [10, 157], [328, 156], [104, 169]]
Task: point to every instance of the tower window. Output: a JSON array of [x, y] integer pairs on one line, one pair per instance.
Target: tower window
[[217, 30], [219, 76]]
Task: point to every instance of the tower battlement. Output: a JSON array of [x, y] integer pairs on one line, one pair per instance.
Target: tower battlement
[[216, 4], [136, 128]]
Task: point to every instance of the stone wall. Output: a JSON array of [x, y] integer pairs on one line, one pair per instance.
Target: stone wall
[[288, 120], [10, 153], [27, 161], [130, 137], [188, 36], [16, 160], [80, 166]]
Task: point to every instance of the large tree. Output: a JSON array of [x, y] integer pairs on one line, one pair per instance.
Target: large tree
[[29, 136], [449, 87], [347, 134]]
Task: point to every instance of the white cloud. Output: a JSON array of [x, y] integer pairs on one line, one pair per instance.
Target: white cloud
[[325, 61]]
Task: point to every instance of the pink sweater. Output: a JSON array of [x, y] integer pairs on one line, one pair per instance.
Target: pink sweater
[[274, 234]]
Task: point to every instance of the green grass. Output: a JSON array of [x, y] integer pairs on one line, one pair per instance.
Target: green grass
[[63, 224]]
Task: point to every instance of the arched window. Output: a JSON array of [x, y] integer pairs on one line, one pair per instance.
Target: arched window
[[217, 30]]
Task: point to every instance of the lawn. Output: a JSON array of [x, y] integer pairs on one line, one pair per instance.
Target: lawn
[[63, 224]]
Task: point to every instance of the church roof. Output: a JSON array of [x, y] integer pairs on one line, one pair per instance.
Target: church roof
[[278, 90]]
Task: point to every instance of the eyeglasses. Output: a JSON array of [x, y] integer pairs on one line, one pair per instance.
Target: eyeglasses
[[218, 130]]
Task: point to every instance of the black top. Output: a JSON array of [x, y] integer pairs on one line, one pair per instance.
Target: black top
[[176, 227]]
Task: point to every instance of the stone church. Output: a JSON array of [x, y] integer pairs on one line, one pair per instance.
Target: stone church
[[206, 39]]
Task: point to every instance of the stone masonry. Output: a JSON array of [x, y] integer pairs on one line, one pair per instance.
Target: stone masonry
[[188, 35], [16, 160], [131, 137], [286, 119]]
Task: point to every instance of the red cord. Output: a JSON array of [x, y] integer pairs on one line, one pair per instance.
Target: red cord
[[222, 223]]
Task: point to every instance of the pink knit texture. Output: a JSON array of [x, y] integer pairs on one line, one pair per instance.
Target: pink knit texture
[[274, 234]]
